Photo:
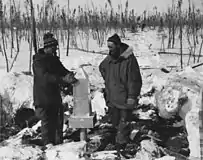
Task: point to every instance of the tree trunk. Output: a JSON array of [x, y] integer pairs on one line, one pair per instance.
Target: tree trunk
[[68, 41], [2, 34], [181, 36], [33, 33], [33, 27]]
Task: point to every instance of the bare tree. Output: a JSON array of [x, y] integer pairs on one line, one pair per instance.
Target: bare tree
[[33, 30], [68, 41], [33, 27], [2, 34], [181, 33]]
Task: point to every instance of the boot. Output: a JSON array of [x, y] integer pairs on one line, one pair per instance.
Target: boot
[[126, 154], [108, 139], [103, 145], [120, 148]]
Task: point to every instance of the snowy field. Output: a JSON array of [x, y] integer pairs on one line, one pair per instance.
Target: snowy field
[[16, 88]]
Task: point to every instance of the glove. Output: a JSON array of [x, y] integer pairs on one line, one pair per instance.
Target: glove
[[70, 78], [130, 101]]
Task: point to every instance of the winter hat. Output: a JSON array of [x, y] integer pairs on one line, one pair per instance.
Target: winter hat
[[115, 38], [49, 40]]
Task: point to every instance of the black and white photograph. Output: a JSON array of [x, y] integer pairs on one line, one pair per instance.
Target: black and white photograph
[[101, 79]]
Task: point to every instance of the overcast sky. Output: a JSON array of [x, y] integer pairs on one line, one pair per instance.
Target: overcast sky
[[138, 5]]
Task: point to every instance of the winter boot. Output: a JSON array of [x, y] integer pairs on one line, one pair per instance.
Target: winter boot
[[120, 148]]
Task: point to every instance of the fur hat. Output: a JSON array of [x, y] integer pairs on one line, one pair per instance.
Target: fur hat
[[115, 39], [49, 40]]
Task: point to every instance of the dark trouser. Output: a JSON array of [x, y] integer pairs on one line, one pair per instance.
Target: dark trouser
[[119, 134], [120, 119], [51, 123]]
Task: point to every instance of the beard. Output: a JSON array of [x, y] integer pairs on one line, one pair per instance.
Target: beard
[[115, 53]]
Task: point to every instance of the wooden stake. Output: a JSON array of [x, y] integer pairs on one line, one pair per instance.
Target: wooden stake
[[201, 125], [83, 134]]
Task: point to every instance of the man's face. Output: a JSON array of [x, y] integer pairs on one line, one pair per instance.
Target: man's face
[[113, 48], [51, 49]]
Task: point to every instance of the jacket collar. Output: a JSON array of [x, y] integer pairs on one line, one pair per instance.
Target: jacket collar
[[124, 55]]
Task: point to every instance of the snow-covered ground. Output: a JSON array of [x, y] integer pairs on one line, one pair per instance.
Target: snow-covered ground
[[17, 88]]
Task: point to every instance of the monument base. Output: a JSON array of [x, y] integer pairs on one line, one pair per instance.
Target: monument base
[[82, 122]]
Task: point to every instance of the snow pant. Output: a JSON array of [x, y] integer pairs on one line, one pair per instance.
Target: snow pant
[[51, 123], [120, 119], [119, 134]]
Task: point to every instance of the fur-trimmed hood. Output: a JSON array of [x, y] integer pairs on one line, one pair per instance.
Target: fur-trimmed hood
[[125, 50]]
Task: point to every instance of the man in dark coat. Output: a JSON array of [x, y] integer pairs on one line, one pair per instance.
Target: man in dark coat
[[49, 73], [123, 82]]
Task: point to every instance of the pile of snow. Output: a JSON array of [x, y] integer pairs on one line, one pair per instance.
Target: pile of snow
[[104, 155], [166, 158], [151, 82], [182, 95], [148, 151], [13, 148], [66, 151], [16, 91], [98, 104], [20, 152]]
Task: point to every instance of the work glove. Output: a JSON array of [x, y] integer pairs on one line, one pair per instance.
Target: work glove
[[131, 103], [70, 78]]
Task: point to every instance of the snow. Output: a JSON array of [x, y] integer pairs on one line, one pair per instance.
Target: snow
[[16, 89], [16, 140], [99, 104], [14, 149], [67, 150], [184, 84], [166, 158], [148, 150], [105, 155], [22, 152], [38, 125]]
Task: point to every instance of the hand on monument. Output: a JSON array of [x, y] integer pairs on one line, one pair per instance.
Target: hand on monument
[[70, 78], [130, 101]]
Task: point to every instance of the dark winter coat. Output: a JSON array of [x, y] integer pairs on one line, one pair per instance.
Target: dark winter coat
[[48, 71], [122, 78]]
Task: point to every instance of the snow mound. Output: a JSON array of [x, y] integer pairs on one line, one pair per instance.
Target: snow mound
[[13, 148], [104, 155], [20, 152], [158, 83], [16, 140], [98, 104], [16, 91], [182, 96], [66, 151], [166, 158], [148, 151]]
